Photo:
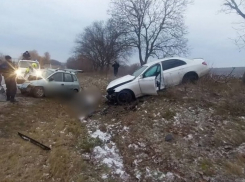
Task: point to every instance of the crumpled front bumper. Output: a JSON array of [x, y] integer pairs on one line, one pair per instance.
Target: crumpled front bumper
[[25, 87], [111, 95]]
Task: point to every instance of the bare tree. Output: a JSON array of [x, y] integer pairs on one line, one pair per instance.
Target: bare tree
[[102, 43], [155, 27], [238, 7], [46, 58]]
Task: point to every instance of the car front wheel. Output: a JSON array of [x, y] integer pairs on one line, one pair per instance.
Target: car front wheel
[[38, 92], [124, 97]]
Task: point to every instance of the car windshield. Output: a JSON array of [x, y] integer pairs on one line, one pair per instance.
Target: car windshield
[[139, 71], [47, 73], [26, 64]]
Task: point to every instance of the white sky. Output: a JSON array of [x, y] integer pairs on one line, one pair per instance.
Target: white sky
[[52, 25]]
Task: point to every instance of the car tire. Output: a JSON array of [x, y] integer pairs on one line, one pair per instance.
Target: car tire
[[124, 97], [190, 78], [38, 92]]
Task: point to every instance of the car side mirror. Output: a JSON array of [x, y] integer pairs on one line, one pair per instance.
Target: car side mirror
[[51, 79], [141, 76]]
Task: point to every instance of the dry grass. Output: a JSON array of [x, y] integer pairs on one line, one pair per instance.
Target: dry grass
[[49, 123], [204, 118], [234, 169]]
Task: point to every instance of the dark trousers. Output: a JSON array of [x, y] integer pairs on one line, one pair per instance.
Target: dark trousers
[[115, 72], [11, 88]]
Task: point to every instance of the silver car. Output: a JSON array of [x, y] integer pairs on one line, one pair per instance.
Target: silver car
[[52, 82]]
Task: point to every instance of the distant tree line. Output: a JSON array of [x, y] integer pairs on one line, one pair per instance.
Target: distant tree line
[[152, 28]]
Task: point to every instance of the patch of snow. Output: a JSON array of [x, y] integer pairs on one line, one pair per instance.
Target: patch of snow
[[138, 174], [189, 137], [133, 146], [102, 136], [107, 154], [170, 176], [104, 176], [125, 128]]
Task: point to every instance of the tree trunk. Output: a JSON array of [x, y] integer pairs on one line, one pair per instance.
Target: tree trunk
[[140, 56]]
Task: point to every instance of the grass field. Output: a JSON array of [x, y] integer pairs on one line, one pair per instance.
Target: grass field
[[206, 122]]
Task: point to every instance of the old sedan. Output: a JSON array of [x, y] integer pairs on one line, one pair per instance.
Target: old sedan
[[52, 82]]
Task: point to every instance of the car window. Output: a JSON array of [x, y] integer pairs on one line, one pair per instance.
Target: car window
[[139, 71], [24, 64], [152, 71], [74, 77], [173, 63], [68, 77], [57, 77]]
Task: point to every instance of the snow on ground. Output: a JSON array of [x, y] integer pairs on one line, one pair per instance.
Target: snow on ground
[[108, 153]]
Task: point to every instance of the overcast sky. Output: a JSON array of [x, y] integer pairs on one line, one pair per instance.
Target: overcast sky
[[52, 25]]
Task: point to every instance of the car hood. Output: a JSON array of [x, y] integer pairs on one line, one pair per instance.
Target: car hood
[[120, 81], [40, 82]]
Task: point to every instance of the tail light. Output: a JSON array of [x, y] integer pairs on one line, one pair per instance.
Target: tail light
[[204, 63]]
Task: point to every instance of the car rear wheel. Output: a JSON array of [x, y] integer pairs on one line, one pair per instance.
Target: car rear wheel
[[38, 92], [190, 78], [124, 97]]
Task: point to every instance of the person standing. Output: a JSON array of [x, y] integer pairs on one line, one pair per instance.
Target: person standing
[[8, 70], [115, 66], [26, 56]]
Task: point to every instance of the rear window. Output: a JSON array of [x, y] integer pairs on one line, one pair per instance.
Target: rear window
[[26, 64]]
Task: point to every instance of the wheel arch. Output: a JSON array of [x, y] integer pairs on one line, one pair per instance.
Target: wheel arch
[[130, 92], [191, 73]]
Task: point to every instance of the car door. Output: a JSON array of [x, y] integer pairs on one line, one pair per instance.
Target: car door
[[68, 82], [148, 80], [55, 83], [172, 71]]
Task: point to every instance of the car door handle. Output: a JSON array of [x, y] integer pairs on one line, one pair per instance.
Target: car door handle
[[62, 85]]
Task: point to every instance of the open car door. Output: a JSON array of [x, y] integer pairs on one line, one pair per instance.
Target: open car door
[[148, 81]]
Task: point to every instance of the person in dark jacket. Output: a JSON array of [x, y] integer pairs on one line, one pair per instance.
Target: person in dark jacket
[[26, 56], [115, 66], [8, 71]]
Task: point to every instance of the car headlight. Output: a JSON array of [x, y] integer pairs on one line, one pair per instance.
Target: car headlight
[[38, 73], [18, 72]]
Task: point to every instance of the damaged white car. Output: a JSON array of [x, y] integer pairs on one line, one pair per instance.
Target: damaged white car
[[155, 76], [52, 82]]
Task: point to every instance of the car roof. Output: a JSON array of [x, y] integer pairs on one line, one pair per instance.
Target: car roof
[[165, 59], [61, 71], [29, 61]]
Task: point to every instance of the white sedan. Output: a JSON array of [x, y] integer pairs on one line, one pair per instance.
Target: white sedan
[[155, 76]]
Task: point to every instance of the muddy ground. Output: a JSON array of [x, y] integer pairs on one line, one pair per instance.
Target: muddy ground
[[186, 133]]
